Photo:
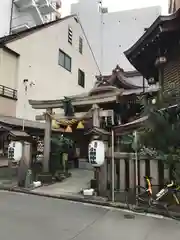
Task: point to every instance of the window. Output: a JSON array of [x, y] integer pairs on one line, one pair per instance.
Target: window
[[80, 45], [64, 60], [70, 35], [81, 78]]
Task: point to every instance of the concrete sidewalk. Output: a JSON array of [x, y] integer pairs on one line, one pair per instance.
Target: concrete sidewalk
[[79, 180]]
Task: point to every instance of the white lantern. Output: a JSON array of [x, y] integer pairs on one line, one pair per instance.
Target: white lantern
[[96, 153], [15, 151]]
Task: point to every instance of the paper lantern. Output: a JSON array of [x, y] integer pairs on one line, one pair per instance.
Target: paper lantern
[[15, 150], [96, 153], [80, 125]]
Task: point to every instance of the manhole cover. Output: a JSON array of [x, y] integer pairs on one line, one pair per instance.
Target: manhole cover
[[129, 216]]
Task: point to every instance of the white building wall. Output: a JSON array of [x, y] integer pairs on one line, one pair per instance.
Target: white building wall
[[8, 69], [8, 82], [38, 63], [5, 16], [119, 31], [88, 13]]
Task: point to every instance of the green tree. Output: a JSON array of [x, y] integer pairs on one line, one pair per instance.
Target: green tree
[[161, 135], [60, 147]]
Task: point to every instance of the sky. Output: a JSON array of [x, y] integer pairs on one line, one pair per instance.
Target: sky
[[117, 5]]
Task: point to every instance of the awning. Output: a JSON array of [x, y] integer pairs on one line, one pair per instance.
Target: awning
[[131, 126], [4, 128], [15, 133], [13, 121]]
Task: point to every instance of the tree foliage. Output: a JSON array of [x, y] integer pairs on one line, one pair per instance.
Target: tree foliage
[[161, 135], [61, 144]]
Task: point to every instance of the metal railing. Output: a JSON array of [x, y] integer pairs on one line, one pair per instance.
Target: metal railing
[[8, 92]]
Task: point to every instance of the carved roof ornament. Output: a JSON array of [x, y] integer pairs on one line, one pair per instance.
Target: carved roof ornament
[[118, 69]]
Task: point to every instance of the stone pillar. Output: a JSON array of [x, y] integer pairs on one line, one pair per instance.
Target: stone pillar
[[103, 177], [47, 141], [96, 119], [96, 123], [122, 171], [24, 164], [154, 171]]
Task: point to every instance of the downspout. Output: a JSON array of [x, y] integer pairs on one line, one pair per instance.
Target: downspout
[[11, 16]]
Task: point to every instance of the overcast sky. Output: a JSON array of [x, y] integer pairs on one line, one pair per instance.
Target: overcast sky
[[115, 5]]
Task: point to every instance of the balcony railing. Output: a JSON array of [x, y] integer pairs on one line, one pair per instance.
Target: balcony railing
[[46, 6], [30, 6], [8, 92]]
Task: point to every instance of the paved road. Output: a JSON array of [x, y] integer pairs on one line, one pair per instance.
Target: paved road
[[24, 217]]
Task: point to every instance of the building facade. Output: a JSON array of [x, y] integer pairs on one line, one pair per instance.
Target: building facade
[[110, 34], [8, 81], [18, 15], [52, 61]]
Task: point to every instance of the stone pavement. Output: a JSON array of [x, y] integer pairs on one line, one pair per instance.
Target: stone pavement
[[79, 180], [32, 217]]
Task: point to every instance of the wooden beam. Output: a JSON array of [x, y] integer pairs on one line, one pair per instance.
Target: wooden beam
[[82, 115], [19, 122], [81, 101]]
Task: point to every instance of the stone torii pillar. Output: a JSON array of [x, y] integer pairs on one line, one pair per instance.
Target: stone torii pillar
[[47, 140], [99, 173], [96, 115]]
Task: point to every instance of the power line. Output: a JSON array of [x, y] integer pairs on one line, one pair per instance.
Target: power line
[[101, 36]]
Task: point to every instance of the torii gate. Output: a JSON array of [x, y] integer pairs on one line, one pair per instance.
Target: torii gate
[[92, 105]]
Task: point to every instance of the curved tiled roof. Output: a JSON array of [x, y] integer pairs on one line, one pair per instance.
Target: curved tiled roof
[[119, 79], [156, 24], [142, 55]]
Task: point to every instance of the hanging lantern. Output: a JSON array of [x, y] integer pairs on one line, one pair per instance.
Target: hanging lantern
[[68, 129], [55, 125], [80, 125]]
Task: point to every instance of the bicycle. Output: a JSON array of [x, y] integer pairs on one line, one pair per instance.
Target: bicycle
[[144, 196]]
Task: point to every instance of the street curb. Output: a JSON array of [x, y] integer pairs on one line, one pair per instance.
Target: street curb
[[122, 206], [66, 197]]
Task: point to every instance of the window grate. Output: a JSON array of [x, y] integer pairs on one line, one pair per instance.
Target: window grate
[[70, 35]]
